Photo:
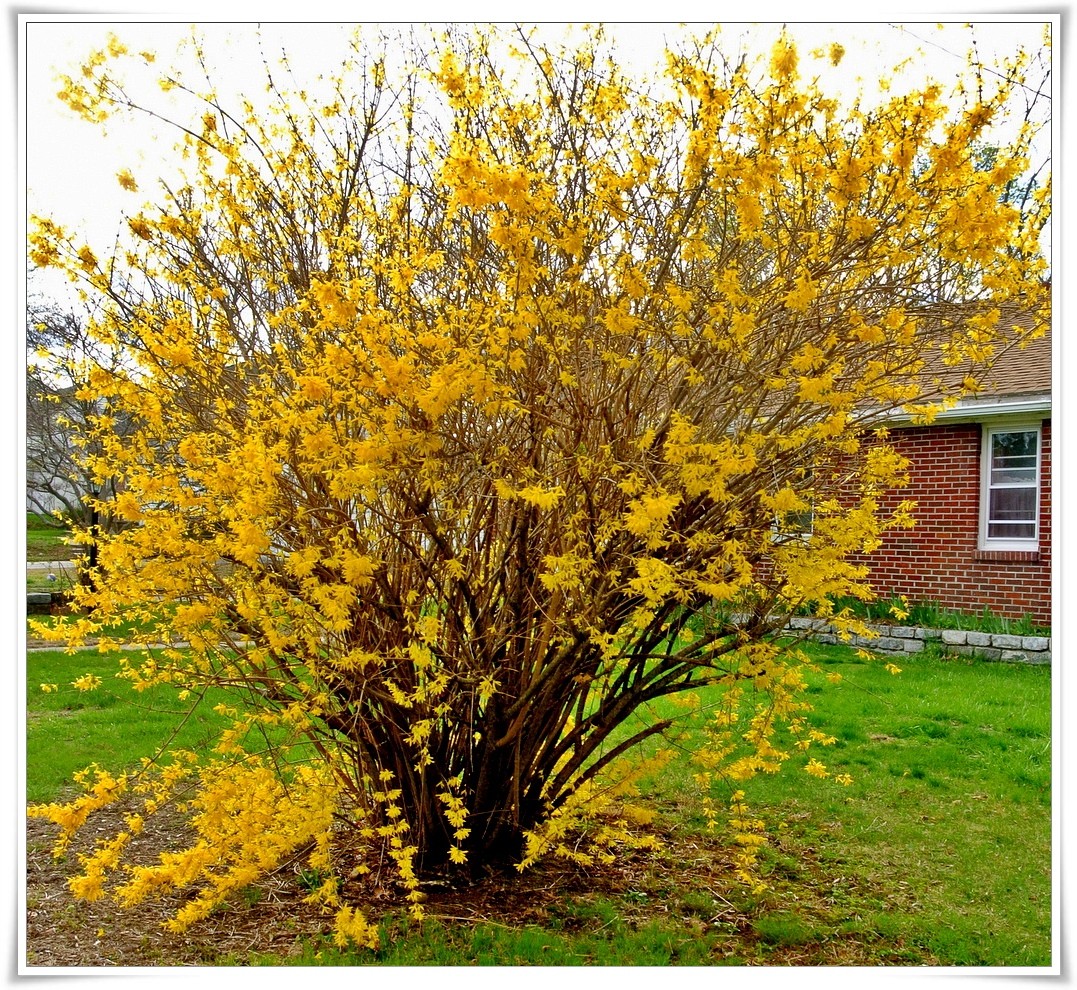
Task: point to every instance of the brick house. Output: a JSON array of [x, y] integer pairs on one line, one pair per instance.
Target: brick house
[[981, 479]]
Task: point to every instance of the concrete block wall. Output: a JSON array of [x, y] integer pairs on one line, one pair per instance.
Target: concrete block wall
[[38, 603]]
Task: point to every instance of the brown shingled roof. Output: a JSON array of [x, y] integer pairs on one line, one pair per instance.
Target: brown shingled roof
[[1020, 367], [1021, 370]]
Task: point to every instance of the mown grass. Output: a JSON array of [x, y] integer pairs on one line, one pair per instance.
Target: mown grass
[[607, 939], [938, 853], [46, 539], [949, 813], [59, 580], [113, 726]]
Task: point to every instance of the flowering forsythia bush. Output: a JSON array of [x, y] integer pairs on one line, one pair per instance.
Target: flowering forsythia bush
[[476, 408]]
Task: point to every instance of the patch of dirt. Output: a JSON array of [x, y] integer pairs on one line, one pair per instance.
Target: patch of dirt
[[273, 917], [64, 931]]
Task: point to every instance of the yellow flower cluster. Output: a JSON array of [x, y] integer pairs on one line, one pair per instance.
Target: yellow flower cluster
[[596, 822], [247, 821], [750, 838]]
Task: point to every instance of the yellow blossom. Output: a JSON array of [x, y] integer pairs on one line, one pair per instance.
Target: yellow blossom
[[87, 682]]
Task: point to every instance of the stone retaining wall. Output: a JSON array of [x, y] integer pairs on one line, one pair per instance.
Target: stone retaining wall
[[912, 639]]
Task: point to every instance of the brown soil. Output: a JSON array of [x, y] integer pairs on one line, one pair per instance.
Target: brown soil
[[64, 931], [273, 917]]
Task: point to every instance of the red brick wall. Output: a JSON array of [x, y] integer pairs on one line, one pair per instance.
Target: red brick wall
[[938, 560]]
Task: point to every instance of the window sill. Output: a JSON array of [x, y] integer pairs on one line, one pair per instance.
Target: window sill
[[1008, 556]]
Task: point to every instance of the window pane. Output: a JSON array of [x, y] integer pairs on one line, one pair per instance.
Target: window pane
[[1011, 531], [1014, 476], [1013, 504], [1021, 444], [1013, 458]]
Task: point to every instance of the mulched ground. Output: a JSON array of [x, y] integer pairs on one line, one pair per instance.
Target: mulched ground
[[273, 917], [64, 931]]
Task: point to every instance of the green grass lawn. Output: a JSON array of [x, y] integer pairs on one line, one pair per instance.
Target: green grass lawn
[[938, 853], [949, 812], [45, 540], [112, 726], [63, 579]]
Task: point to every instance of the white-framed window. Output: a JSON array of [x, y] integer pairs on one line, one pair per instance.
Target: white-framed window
[[1010, 487], [797, 526]]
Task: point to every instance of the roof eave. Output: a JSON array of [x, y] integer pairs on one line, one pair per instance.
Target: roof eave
[[978, 408]]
